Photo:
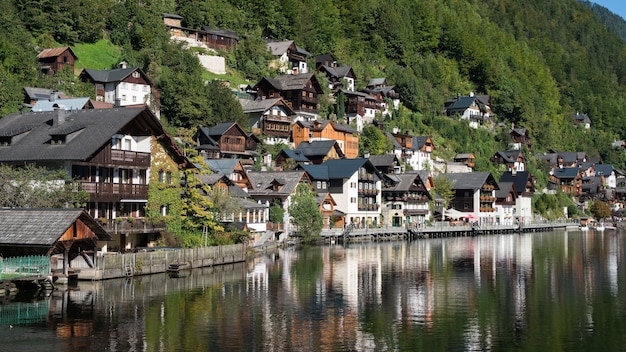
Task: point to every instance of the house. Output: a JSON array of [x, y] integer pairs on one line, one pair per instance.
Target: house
[[413, 150], [248, 215], [207, 37], [387, 163], [288, 57], [340, 77], [511, 159], [505, 203], [318, 151], [227, 140], [360, 107], [520, 137], [297, 156], [124, 86], [55, 60], [476, 109], [277, 187], [271, 118], [109, 152], [467, 159], [568, 179], [232, 169], [331, 217], [524, 186], [62, 234], [379, 89], [582, 120], [300, 92], [474, 193], [33, 94], [405, 200], [355, 184], [319, 130], [563, 159]]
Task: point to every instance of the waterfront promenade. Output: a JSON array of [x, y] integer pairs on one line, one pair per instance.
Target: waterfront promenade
[[441, 230]]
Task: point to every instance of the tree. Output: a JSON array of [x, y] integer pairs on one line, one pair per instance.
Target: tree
[[37, 187], [444, 187], [374, 141], [306, 214], [600, 210]]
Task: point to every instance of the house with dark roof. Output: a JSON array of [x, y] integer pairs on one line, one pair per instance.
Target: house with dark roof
[[124, 86], [319, 130], [233, 169], [506, 203], [277, 187], [467, 159], [54, 60], [387, 163], [360, 108], [415, 151], [319, 151], [331, 217], [67, 236], [340, 77], [510, 159], [300, 91], [227, 140], [207, 37], [474, 193], [568, 179], [582, 120], [296, 155], [379, 89], [475, 109], [269, 118], [405, 200], [288, 57], [107, 151], [520, 137], [355, 184]]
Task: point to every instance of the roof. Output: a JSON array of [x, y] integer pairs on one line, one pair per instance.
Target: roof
[[263, 182], [566, 172], [519, 131], [519, 179], [42, 227], [114, 75], [54, 52], [464, 156], [296, 155], [170, 15], [581, 118], [338, 168], [291, 82], [34, 93], [509, 156], [86, 132], [469, 180], [61, 103], [383, 160], [222, 166], [404, 182], [262, 105], [320, 125], [462, 103], [318, 147], [222, 32], [604, 169], [419, 141], [376, 81], [505, 188], [279, 48], [396, 144]]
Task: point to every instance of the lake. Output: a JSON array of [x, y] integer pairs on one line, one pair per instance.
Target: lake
[[554, 291]]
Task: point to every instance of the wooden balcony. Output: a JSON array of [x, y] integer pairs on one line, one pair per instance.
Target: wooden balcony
[[111, 191], [136, 225]]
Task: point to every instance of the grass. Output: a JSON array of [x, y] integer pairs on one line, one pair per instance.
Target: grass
[[101, 55]]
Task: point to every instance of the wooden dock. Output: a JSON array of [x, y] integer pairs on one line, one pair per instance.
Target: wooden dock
[[440, 230]]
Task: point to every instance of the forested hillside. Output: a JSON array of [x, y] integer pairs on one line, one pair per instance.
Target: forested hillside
[[540, 60]]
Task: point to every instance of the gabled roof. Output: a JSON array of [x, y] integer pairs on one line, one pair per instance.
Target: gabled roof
[[61, 103], [566, 172], [339, 168], [405, 183], [337, 72], [319, 148], [377, 81], [296, 155], [222, 166], [462, 103], [218, 130], [87, 132], [509, 156], [464, 156], [519, 179], [358, 94], [604, 169], [470, 180], [320, 125], [279, 47], [42, 227], [263, 182], [419, 141], [519, 131], [293, 82], [114, 75], [396, 144], [222, 32], [581, 118], [34, 93], [261, 105], [384, 160], [505, 189], [54, 52]]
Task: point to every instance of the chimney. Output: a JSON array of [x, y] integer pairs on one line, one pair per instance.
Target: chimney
[[54, 95], [58, 117], [366, 154], [123, 64]]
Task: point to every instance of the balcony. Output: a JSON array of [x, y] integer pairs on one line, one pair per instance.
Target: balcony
[[114, 190], [132, 225]]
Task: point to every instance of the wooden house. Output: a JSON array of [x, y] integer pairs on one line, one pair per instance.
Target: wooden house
[[299, 91], [319, 151], [271, 118], [405, 200], [520, 137], [466, 158], [568, 179], [474, 192], [331, 217], [347, 137], [227, 140], [511, 159], [340, 77], [64, 234], [109, 152], [54, 60], [207, 37], [288, 57]]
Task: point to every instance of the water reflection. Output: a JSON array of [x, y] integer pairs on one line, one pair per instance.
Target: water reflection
[[547, 291]]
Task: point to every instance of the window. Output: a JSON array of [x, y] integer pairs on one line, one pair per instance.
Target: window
[[136, 74], [123, 97], [134, 99], [319, 184], [352, 200]]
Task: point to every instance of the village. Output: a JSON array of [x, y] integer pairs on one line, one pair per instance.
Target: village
[[115, 146]]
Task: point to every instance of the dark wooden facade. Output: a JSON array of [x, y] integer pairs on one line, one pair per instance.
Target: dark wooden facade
[[56, 59], [301, 96]]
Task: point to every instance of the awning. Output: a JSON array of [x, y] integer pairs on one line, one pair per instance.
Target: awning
[[133, 201]]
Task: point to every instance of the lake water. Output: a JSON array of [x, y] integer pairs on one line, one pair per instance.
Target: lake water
[[556, 291]]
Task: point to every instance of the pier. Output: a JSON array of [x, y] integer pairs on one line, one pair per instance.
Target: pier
[[439, 230]]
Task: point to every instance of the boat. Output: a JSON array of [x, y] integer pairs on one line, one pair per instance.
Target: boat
[[599, 226], [177, 267], [583, 228]]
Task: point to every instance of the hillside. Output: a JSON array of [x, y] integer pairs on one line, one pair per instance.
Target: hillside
[[540, 60]]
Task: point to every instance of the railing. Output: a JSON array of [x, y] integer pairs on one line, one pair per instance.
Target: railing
[[136, 225], [108, 189], [34, 265], [134, 158]]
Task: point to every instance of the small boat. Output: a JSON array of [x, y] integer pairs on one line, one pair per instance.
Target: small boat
[[583, 228], [599, 226], [178, 267]]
